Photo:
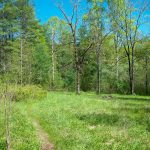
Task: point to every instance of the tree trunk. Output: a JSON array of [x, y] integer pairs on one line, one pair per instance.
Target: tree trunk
[[117, 60], [78, 80], [21, 61], [78, 69], [98, 70], [146, 75], [53, 60], [117, 65], [132, 72], [77, 64], [30, 72], [7, 119], [117, 56], [129, 72]]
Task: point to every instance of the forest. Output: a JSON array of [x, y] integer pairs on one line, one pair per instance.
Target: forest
[[64, 83]]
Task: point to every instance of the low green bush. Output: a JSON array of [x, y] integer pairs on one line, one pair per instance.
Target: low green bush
[[27, 92]]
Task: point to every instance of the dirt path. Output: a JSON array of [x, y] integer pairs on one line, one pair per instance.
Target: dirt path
[[43, 137]]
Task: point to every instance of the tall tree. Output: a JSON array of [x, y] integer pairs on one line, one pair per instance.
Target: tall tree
[[97, 20], [73, 23], [7, 31], [52, 31], [127, 24]]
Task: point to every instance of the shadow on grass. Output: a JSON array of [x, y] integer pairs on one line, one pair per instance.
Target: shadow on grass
[[132, 98], [95, 119], [133, 109], [125, 97], [117, 120], [141, 117]]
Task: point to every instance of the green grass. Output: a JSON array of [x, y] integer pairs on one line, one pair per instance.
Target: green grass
[[90, 122], [23, 135], [85, 122]]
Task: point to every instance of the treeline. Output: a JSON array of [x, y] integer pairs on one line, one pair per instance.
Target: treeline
[[101, 49]]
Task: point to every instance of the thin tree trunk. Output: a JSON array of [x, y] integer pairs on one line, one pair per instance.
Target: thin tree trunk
[[146, 75], [53, 60], [98, 90], [78, 69], [4, 65], [117, 66], [7, 120], [117, 60], [30, 73], [77, 64], [78, 81], [21, 61], [132, 73]]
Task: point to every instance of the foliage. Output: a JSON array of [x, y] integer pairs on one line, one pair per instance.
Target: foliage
[[27, 92], [33, 53]]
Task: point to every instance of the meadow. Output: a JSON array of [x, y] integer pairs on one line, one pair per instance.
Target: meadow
[[85, 122], [53, 50]]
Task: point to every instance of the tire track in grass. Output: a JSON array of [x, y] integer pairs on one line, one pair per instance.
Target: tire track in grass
[[43, 137]]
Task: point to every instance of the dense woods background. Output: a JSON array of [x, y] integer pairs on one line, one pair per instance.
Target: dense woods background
[[102, 50]]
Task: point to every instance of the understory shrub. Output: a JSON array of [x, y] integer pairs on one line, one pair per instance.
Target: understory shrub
[[33, 92]]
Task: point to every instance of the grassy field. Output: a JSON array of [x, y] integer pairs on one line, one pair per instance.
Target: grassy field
[[85, 122], [23, 135]]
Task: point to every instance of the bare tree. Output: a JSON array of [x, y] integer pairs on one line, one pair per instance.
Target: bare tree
[[73, 23]]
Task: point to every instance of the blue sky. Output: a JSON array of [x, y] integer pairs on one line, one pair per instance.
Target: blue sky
[[47, 8]]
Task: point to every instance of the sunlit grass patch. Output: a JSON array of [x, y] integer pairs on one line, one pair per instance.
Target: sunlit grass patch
[[22, 133], [90, 122]]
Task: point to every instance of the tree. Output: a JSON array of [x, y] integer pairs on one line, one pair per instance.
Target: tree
[[7, 31], [73, 23], [52, 31], [127, 24], [97, 22]]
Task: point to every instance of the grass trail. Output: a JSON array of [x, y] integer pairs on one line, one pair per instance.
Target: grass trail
[[85, 122], [43, 137], [89, 122]]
